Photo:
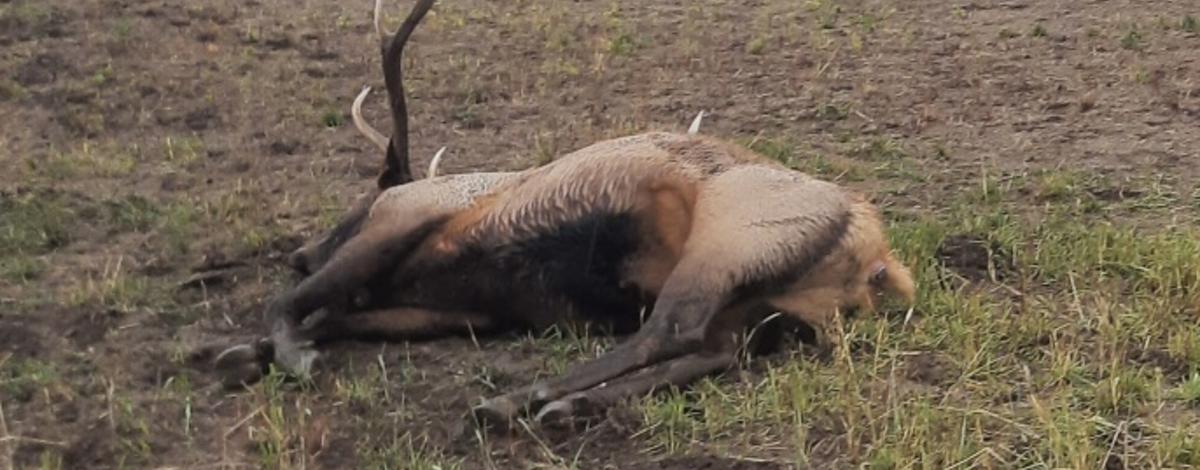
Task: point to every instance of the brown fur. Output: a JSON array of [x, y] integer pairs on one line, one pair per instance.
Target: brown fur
[[704, 235]]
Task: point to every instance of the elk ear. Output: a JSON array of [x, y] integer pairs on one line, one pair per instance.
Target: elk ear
[[899, 280]]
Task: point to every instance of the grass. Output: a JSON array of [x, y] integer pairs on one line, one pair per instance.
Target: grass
[[33, 223], [1189, 24], [107, 160], [1077, 348], [1132, 40], [22, 379], [1052, 376]]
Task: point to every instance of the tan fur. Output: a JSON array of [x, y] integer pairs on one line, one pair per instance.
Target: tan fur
[[840, 281], [703, 232]]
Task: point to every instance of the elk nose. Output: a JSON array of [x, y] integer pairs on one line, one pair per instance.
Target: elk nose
[[298, 261]]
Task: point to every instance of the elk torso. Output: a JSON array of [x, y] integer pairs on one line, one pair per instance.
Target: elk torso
[[591, 236]]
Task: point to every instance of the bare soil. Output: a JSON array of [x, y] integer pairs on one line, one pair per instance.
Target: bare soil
[[176, 138]]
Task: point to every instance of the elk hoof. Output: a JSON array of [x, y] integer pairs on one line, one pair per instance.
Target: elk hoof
[[243, 364], [496, 412], [295, 358], [556, 414]]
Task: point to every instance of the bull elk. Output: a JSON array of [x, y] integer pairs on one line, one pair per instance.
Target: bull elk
[[683, 240]]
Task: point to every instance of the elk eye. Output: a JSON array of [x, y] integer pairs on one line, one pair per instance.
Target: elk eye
[[879, 275]]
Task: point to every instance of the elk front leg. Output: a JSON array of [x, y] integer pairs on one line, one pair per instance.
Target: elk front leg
[[678, 372], [689, 301], [374, 250]]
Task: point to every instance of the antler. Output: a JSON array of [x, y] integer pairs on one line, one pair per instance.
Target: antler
[[396, 170], [377, 137], [433, 164], [695, 127], [367, 131]]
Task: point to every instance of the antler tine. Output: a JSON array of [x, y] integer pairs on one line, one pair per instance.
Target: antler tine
[[360, 122], [397, 170], [433, 164], [695, 127], [383, 37]]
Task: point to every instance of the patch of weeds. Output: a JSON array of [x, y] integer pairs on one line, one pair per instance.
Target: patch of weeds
[[107, 160], [1141, 76], [783, 151], [132, 213], [1179, 447], [50, 460], [25, 15], [1132, 40], [1065, 437], [623, 45], [122, 29], [671, 421], [562, 347], [545, 148], [826, 11], [880, 150], [11, 90], [178, 226], [1039, 31], [1008, 34], [333, 119], [102, 76], [33, 223], [777, 149], [116, 289], [22, 378], [1123, 389], [278, 431], [133, 431], [366, 391], [256, 238], [182, 152], [237, 211], [1196, 201], [1158, 196], [21, 269], [832, 112], [1189, 24], [1057, 186], [1156, 263], [467, 116], [560, 66], [1189, 390], [756, 45], [179, 389], [868, 22], [407, 452], [1183, 344], [621, 42]]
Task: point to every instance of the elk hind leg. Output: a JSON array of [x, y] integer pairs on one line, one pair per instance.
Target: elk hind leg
[[246, 364], [678, 372]]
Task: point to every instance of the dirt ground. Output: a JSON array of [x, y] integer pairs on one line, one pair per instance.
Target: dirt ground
[[159, 158]]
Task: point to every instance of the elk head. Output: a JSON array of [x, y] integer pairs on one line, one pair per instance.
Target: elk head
[[396, 171]]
